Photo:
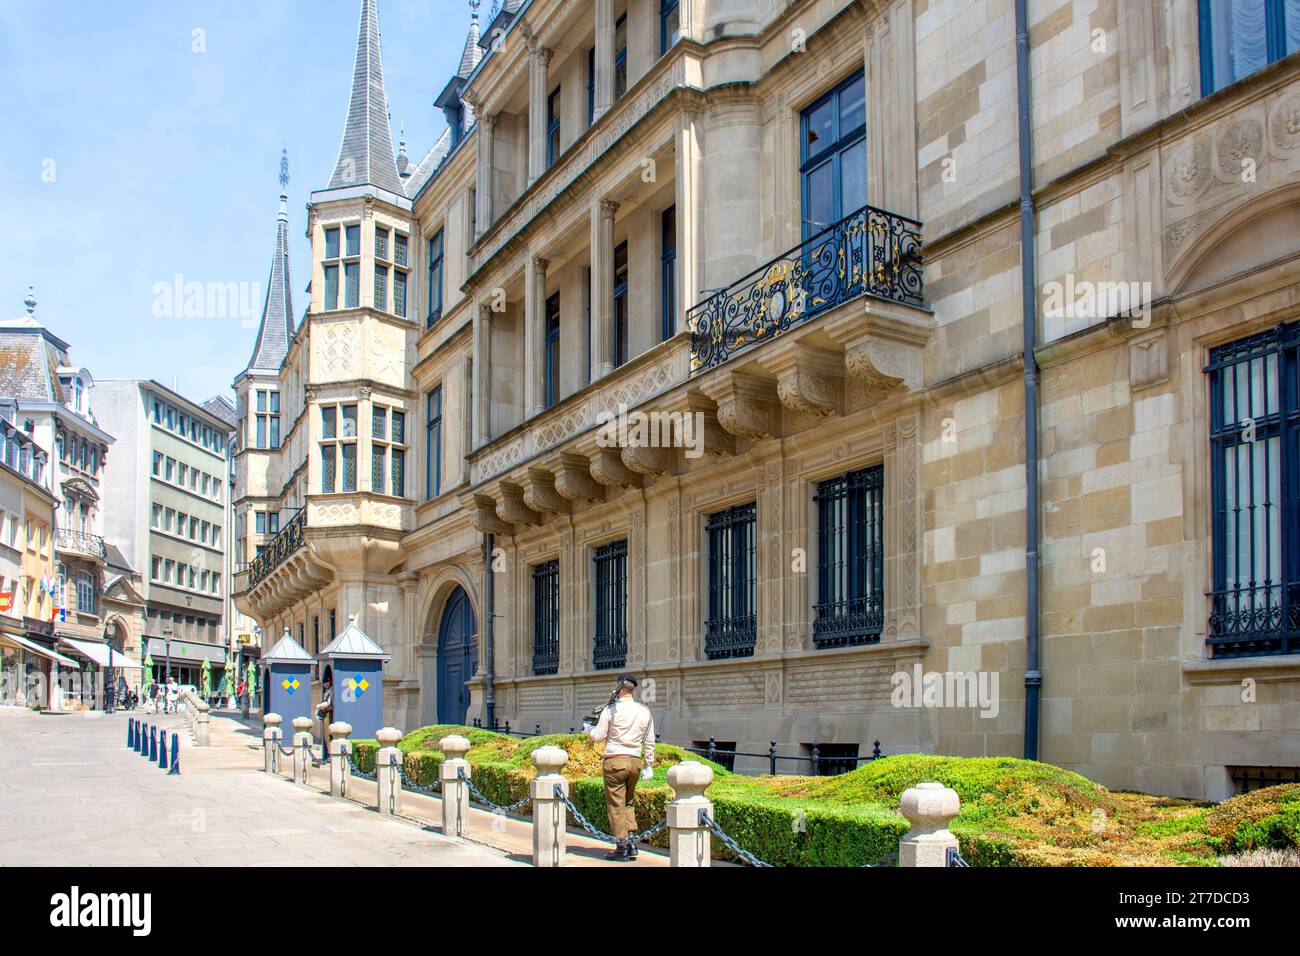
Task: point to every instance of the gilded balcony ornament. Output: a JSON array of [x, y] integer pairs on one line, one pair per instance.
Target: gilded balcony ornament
[[870, 252]]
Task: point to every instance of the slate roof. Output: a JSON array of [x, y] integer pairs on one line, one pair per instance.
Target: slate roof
[[366, 156], [356, 643], [114, 558], [429, 165], [473, 53], [276, 330], [220, 407], [30, 357]]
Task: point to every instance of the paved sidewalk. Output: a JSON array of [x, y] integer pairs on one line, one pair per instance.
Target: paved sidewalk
[[72, 794]]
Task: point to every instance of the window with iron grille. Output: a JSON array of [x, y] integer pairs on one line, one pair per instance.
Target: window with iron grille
[[850, 559], [546, 617], [833, 759], [722, 752], [1246, 779], [732, 623], [610, 650], [1255, 547]]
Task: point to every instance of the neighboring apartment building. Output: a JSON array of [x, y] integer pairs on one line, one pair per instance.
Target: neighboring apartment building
[[53, 400], [241, 629], [603, 230], [170, 478]]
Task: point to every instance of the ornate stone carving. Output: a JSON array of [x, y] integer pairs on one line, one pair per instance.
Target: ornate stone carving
[[1284, 123], [808, 379], [652, 462], [1187, 172], [540, 493], [512, 509], [483, 515], [746, 407], [573, 480], [607, 468], [1239, 142]]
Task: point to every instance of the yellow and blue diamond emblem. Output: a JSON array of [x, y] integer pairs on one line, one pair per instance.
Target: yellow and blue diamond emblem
[[290, 684], [358, 685]]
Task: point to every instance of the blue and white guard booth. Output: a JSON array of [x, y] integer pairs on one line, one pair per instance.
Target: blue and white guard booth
[[286, 682], [354, 664]]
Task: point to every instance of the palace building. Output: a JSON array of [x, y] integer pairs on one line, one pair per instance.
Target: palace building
[[779, 246]]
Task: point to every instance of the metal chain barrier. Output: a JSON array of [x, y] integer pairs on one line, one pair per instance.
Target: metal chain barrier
[[320, 761], [600, 834], [407, 782], [478, 795], [356, 769], [953, 858], [728, 842]]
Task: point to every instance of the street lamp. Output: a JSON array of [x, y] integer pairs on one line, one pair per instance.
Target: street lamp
[[167, 646], [111, 706]]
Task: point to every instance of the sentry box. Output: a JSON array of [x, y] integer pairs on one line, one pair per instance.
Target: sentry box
[[286, 680], [354, 664]]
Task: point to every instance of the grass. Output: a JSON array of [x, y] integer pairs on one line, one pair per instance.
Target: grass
[[1014, 812]]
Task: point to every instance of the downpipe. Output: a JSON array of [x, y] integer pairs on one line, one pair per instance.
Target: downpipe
[[1029, 302]]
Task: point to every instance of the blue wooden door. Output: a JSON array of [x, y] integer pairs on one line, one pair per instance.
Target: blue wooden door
[[457, 658]]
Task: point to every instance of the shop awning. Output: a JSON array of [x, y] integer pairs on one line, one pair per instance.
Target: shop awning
[[98, 654], [35, 648]]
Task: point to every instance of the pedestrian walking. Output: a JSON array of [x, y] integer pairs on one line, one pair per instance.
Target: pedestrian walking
[[153, 697], [628, 730], [173, 695]]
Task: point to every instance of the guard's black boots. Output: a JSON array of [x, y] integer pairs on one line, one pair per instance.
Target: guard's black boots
[[631, 851], [620, 853]]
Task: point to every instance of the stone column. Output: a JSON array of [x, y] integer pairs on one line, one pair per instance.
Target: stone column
[[535, 337], [481, 391], [270, 741], [549, 812], [340, 758], [688, 840], [483, 196], [929, 808], [604, 93], [602, 288], [302, 741], [455, 793], [388, 769], [539, 59]]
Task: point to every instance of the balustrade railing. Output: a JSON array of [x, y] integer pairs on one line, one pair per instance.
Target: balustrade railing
[[288, 541], [870, 252], [81, 542]]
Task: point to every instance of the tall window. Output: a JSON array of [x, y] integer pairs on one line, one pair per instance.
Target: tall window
[[1239, 37], [1254, 428], [553, 126], [610, 648], [732, 624], [388, 451], [850, 559], [833, 156], [433, 444], [352, 267], [391, 261], [591, 86], [268, 419], [552, 350], [338, 448], [435, 279], [85, 592], [668, 273], [546, 617], [620, 57], [670, 29], [620, 304], [331, 265]]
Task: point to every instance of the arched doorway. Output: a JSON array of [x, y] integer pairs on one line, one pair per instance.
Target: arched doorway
[[457, 657]]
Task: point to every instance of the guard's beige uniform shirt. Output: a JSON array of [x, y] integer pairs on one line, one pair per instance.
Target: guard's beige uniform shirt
[[628, 732]]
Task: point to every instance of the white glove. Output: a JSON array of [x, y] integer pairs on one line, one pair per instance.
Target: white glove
[[588, 727], [647, 773]]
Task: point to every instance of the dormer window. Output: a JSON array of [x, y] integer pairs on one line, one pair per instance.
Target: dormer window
[[77, 393]]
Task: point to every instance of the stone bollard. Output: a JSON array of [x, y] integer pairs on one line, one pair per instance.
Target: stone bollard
[[455, 791], [302, 741], [271, 741], [340, 758], [201, 729], [388, 769], [929, 808], [688, 840], [549, 812]]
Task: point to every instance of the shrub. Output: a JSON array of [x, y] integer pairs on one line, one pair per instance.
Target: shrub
[[1262, 819]]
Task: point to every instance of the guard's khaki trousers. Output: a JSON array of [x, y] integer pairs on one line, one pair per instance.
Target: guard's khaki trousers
[[621, 775]]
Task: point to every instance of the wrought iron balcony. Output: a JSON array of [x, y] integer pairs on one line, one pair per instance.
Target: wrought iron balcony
[[288, 541], [870, 252], [79, 542]]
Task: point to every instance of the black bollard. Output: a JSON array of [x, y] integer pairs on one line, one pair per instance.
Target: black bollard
[[176, 758], [128, 732], [153, 743], [162, 750]]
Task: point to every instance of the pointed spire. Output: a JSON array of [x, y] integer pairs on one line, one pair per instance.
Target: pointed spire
[[366, 156], [276, 330], [30, 301], [403, 161], [473, 53]]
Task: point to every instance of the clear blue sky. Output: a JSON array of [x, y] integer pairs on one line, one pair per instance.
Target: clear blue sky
[[166, 161]]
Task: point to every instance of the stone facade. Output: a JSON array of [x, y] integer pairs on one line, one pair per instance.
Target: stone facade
[[1138, 178]]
